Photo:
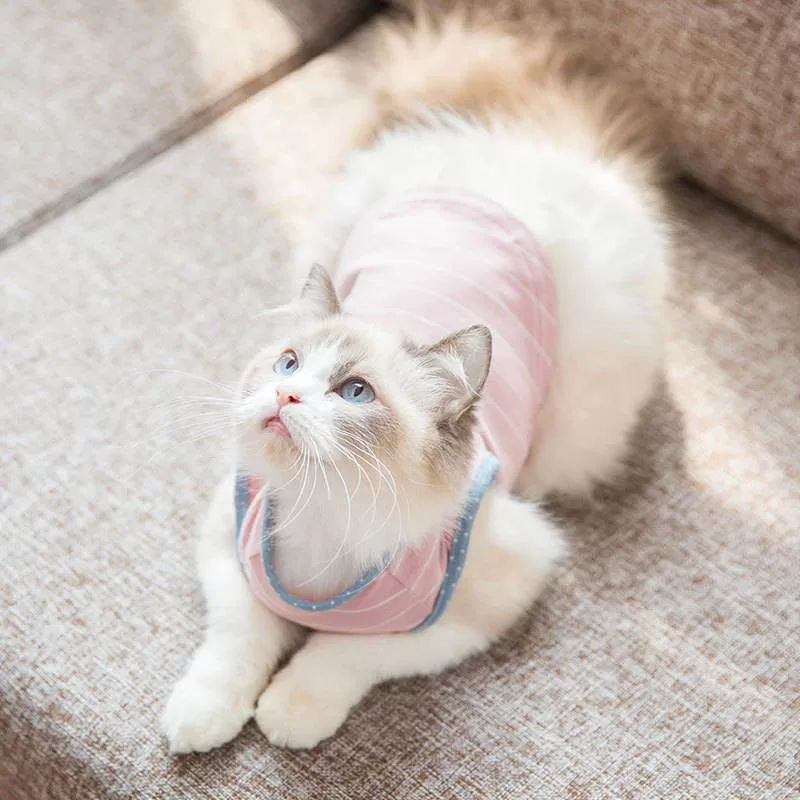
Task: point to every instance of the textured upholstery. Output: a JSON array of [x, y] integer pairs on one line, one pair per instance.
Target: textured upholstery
[[725, 73], [661, 662]]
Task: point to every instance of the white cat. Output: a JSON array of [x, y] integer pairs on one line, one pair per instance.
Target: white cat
[[363, 448]]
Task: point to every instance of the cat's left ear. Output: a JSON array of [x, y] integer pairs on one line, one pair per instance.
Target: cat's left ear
[[463, 360], [318, 295]]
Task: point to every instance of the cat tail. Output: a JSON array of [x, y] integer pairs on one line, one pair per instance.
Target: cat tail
[[524, 73]]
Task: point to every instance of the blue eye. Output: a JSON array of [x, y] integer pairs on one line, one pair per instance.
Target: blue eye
[[356, 390], [287, 363]]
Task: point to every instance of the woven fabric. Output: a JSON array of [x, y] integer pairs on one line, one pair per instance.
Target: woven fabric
[[127, 77], [661, 662], [409, 592], [724, 73]]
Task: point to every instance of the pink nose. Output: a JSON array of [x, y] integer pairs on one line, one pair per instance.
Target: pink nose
[[285, 398]]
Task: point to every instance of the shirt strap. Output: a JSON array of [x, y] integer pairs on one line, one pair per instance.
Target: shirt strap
[[483, 477]]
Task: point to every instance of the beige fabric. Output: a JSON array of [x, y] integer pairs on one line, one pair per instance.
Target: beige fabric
[[663, 660], [84, 85], [726, 75]]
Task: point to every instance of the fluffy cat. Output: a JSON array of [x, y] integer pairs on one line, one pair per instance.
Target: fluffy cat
[[367, 441]]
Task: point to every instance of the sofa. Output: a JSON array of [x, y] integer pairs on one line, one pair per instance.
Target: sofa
[[158, 163]]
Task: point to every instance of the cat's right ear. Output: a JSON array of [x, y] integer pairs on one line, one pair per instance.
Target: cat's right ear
[[319, 295], [461, 364]]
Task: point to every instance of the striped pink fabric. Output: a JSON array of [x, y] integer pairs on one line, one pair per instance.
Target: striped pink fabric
[[429, 263], [400, 598]]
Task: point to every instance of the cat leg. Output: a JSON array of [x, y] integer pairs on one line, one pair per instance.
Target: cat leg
[[243, 642], [513, 551]]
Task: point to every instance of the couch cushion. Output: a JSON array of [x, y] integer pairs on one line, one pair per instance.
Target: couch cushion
[[662, 660], [88, 91], [725, 74]]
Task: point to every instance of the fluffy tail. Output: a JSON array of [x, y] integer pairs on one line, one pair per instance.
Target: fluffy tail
[[536, 79]]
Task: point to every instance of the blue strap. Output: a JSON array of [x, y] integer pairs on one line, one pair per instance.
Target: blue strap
[[288, 597], [483, 478], [242, 502]]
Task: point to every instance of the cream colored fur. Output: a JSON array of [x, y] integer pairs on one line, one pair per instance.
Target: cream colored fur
[[575, 166]]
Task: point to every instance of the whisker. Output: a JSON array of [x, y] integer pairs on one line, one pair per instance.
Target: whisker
[[362, 471], [294, 513], [322, 467], [340, 549], [383, 472], [183, 374]]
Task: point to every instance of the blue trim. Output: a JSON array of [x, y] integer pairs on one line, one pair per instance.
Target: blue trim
[[288, 597], [484, 476], [242, 501]]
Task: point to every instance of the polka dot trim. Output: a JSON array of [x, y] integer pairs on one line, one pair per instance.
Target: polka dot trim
[[483, 477], [270, 512]]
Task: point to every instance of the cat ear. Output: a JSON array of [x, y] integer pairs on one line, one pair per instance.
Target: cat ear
[[318, 294], [463, 360]]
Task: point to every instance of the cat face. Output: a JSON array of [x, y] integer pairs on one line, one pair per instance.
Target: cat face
[[346, 394]]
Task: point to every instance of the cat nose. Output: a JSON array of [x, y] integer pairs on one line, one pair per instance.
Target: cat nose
[[285, 398]]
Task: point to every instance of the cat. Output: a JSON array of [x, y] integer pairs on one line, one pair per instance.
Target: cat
[[362, 448]]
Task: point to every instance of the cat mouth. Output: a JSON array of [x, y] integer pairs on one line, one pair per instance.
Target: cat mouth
[[276, 426]]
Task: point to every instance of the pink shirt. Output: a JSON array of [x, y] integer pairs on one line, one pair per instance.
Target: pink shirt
[[430, 262]]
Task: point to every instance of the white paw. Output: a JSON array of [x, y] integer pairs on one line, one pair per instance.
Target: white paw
[[200, 717], [291, 715]]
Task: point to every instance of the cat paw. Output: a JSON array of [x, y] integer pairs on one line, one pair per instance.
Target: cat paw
[[199, 717], [291, 715]]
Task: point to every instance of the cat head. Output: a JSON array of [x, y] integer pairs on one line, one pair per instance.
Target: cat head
[[361, 402]]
